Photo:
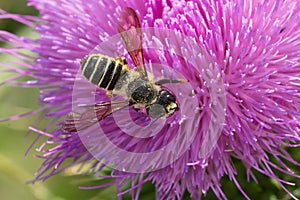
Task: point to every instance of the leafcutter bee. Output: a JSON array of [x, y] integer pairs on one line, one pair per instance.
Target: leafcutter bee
[[117, 78]]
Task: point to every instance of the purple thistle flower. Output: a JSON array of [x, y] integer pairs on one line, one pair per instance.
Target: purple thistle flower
[[242, 61]]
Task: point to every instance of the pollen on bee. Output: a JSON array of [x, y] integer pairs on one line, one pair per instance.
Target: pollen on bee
[[109, 93]]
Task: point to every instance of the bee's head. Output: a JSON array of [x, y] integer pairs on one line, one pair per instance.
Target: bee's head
[[164, 105]]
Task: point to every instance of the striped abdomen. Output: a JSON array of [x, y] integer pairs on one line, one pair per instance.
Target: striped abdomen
[[103, 71]]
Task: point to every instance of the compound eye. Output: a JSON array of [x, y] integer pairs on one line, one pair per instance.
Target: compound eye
[[171, 97], [166, 97]]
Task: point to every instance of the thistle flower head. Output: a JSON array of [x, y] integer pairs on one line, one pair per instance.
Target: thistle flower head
[[242, 99]]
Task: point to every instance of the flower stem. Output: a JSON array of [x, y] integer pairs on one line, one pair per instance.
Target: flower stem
[[20, 175]]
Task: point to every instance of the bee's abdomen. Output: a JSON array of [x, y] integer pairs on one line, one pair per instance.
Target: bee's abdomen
[[101, 70]]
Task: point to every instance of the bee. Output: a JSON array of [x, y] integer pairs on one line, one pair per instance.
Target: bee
[[117, 78]]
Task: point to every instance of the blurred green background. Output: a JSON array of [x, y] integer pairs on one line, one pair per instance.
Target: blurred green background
[[16, 169]]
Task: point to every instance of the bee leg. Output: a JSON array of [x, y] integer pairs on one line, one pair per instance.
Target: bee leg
[[136, 108], [122, 61]]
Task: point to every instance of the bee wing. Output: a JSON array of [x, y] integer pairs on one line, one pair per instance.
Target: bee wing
[[86, 116], [130, 29]]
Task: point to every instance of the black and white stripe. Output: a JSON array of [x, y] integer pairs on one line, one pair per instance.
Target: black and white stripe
[[101, 70]]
